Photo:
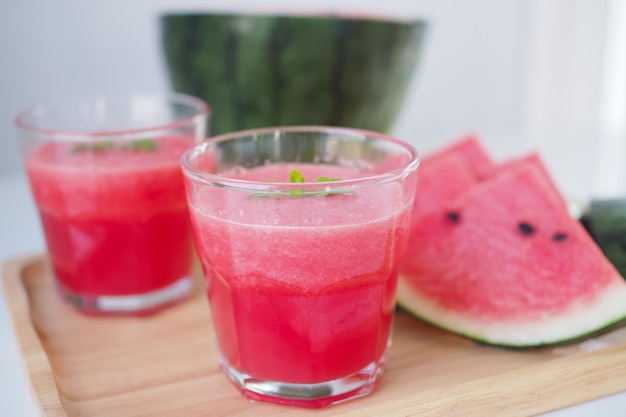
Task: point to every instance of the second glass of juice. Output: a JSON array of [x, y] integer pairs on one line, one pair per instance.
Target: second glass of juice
[[299, 231], [105, 176]]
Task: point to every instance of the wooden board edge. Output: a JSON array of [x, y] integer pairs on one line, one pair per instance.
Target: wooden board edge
[[527, 391], [34, 358]]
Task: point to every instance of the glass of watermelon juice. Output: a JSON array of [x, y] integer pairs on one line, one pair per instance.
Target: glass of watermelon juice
[[299, 231], [105, 176]]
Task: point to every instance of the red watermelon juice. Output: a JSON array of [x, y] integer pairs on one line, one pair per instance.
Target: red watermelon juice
[[302, 290], [115, 220]]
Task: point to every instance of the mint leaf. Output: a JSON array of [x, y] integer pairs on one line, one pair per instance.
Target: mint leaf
[[270, 195], [303, 195], [104, 145], [92, 146], [79, 147], [296, 176], [109, 145], [326, 179], [141, 145], [296, 192]]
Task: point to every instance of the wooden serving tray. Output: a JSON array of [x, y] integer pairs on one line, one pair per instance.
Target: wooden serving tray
[[166, 365]]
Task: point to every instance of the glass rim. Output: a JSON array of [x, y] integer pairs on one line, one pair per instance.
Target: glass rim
[[203, 111], [196, 174]]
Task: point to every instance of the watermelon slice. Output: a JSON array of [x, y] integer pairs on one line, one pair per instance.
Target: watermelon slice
[[575, 208], [532, 158], [506, 264], [471, 149], [441, 179], [448, 172]]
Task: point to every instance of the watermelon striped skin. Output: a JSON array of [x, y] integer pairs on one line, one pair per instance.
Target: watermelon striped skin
[[606, 222], [257, 70], [511, 268]]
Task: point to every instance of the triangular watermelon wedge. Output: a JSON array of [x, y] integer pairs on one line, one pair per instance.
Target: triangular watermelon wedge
[[531, 158], [471, 150], [506, 264], [440, 180], [449, 172]]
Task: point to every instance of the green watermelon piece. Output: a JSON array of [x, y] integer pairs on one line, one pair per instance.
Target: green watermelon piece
[[267, 70], [606, 221], [506, 264]]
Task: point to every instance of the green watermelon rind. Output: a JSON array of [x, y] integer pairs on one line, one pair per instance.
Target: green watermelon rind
[[263, 70], [607, 308]]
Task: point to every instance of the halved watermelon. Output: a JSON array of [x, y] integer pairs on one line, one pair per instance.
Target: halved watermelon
[[258, 70], [506, 264]]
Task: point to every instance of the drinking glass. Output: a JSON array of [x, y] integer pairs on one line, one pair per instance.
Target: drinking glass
[[105, 176], [299, 231]]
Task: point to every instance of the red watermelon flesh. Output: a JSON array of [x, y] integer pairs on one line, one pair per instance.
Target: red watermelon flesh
[[448, 172], [532, 158], [469, 148], [506, 264], [441, 180]]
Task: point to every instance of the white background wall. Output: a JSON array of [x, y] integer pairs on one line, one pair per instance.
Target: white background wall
[[520, 73]]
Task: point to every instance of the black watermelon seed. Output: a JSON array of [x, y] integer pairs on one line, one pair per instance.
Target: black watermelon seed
[[453, 216], [559, 237], [526, 229]]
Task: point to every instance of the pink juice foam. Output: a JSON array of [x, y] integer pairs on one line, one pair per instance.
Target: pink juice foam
[[301, 290]]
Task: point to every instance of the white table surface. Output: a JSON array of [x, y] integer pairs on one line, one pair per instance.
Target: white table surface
[[20, 234]]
